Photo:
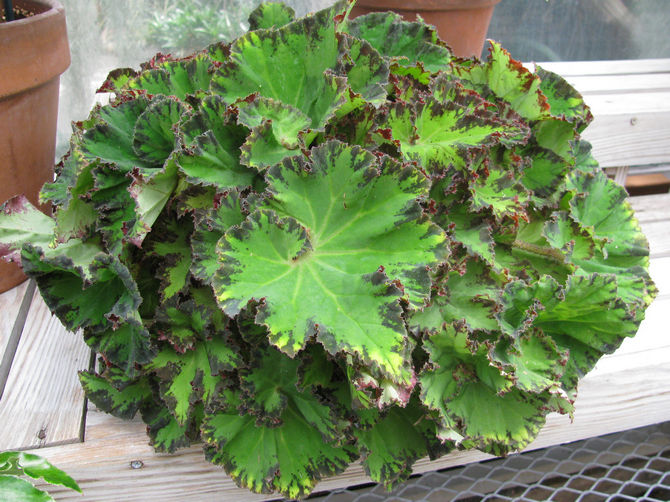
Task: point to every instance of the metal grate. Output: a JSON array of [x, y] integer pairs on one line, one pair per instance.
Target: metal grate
[[632, 465]]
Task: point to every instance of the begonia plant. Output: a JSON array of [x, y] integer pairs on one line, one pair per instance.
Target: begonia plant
[[332, 240]]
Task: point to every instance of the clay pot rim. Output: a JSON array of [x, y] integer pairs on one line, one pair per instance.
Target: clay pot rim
[[34, 49], [426, 5], [52, 8]]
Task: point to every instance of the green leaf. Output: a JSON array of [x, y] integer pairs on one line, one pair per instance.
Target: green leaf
[[320, 269], [404, 43], [533, 359], [474, 399], [15, 489], [546, 170], [564, 100], [126, 345], [96, 293], [75, 215], [439, 134], [229, 211], [183, 78], [38, 468], [151, 194], [114, 392], [286, 121], [366, 70], [153, 136], [172, 246], [213, 154], [496, 188], [21, 222], [270, 385], [391, 446], [111, 139], [468, 297], [506, 79], [601, 209], [288, 65], [192, 375], [256, 457], [270, 15], [166, 434]]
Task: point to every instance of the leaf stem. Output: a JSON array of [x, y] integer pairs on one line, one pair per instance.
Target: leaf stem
[[546, 252]]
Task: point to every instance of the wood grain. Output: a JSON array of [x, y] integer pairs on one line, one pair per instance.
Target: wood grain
[[43, 401], [610, 84], [10, 302], [630, 139], [611, 67]]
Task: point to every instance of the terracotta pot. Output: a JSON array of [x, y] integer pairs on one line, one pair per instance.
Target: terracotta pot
[[33, 53], [460, 23]]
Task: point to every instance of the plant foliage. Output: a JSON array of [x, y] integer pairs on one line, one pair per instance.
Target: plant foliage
[[332, 239], [14, 488]]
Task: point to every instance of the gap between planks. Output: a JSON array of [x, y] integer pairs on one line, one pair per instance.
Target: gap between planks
[[43, 402], [14, 306]]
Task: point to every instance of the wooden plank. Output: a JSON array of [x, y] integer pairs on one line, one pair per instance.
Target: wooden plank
[[43, 402], [651, 208], [611, 67], [630, 103], [658, 234], [10, 302], [615, 84], [630, 139]]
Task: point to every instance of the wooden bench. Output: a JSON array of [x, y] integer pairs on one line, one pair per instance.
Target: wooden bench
[[43, 408]]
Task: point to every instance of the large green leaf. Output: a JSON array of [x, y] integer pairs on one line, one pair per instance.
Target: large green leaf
[[439, 134], [97, 292], [474, 399], [564, 100], [402, 42], [257, 457], [288, 65], [270, 15], [501, 77], [351, 226], [601, 210]]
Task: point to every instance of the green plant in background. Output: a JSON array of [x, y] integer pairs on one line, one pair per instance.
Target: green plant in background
[[16, 489], [331, 239], [187, 25]]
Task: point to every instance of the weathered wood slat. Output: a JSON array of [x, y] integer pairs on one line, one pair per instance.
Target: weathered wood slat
[[613, 84], [611, 67], [631, 138], [650, 208], [43, 402], [10, 303]]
